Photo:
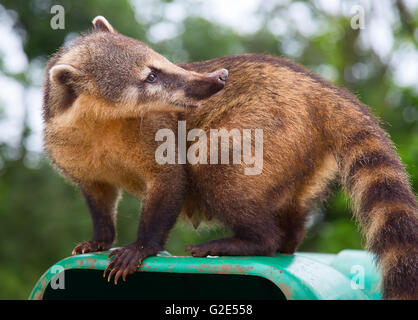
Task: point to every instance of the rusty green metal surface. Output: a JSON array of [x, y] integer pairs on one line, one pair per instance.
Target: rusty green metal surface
[[349, 275]]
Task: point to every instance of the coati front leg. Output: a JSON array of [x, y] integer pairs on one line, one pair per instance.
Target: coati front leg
[[102, 199], [160, 210]]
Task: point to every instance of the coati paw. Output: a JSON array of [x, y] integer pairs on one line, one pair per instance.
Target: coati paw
[[91, 246], [202, 250], [127, 260]]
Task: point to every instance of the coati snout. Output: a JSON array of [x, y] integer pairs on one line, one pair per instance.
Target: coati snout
[[210, 84], [123, 77]]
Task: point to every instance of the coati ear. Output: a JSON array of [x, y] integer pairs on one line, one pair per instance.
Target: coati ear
[[64, 79], [101, 24], [64, 74]]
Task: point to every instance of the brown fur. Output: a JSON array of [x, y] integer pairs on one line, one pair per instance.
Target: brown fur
[[313, 134], [322, 131], [100, 105]]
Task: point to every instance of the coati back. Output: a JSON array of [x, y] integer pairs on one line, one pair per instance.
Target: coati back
[[313, 134]]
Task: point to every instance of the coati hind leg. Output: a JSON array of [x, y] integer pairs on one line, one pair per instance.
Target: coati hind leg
[[293, 224], [291, 240], [256, 240], [101, 199], [260, 227], [255, 235]]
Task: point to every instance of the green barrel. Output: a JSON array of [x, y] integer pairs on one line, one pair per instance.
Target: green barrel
[[349, 275]]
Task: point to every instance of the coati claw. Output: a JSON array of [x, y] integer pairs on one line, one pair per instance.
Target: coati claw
[[201, 250], [90, 246], [126, 261]]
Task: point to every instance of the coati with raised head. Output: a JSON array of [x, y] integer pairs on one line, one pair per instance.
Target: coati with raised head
[[107, 95]]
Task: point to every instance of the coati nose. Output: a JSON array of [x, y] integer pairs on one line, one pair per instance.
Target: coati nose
[[205, 85], [220, 75]]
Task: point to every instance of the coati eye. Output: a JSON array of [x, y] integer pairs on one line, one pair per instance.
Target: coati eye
[[152, 77]]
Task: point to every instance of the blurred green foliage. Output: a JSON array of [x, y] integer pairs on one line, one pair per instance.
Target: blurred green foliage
[[43, 217]]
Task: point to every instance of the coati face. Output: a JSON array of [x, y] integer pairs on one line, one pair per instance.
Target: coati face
[[112, 76]]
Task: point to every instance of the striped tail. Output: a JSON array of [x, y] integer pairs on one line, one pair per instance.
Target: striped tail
[[386, 208]]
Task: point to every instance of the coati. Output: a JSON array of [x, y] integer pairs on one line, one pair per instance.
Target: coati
[[106, 96]]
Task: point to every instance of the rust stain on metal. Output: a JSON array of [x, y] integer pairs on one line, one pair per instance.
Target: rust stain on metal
[[145, 267], [91, 262], [39, 294], [86, 262], [79, 263], [287, 291], [223, 269]]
